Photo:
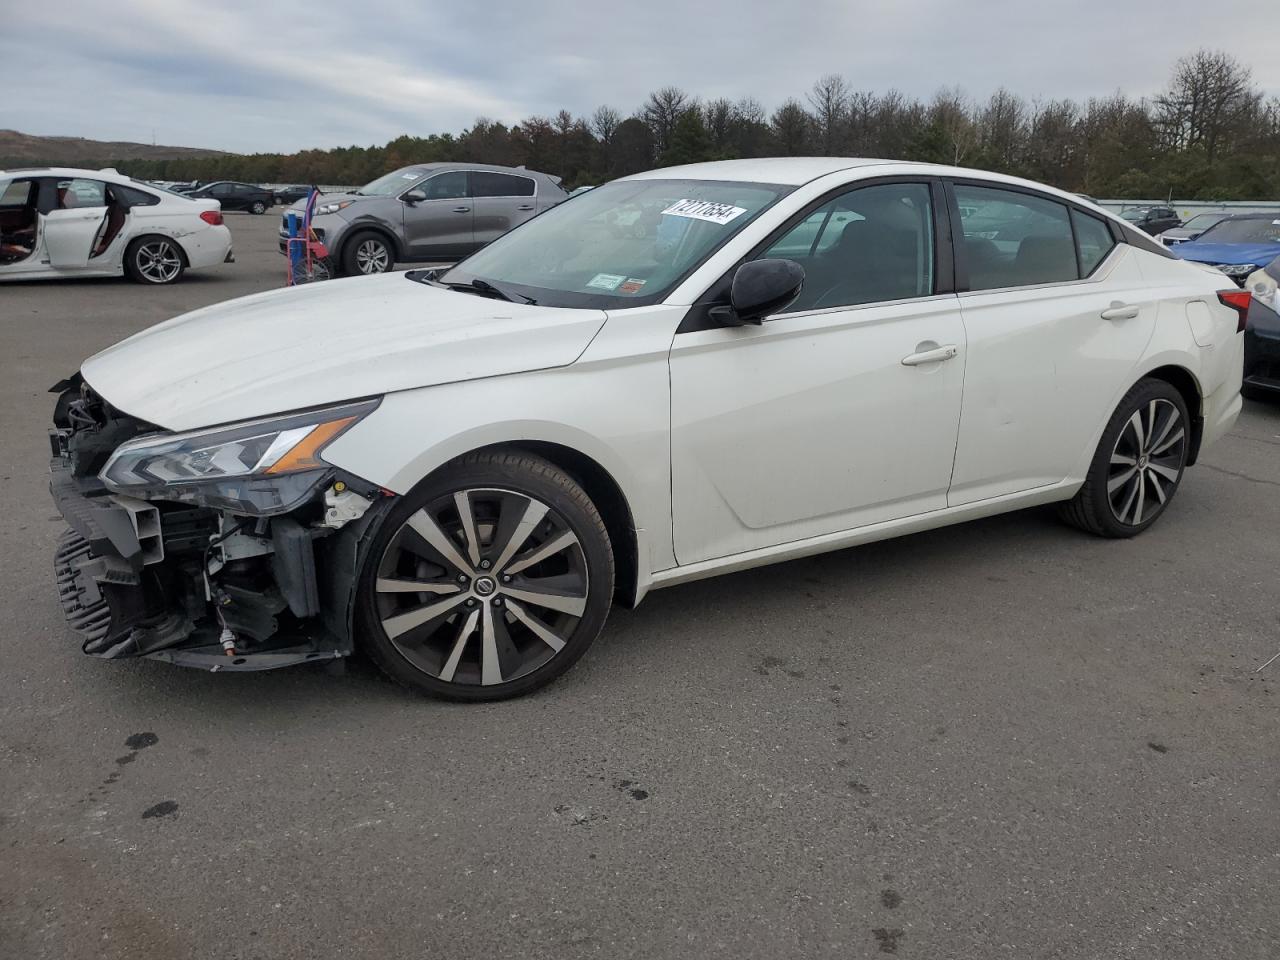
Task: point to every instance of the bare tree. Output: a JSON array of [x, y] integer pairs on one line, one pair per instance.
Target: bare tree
[[1003, 126], [829, 103], [718, 118], [952, 114], [1209, 101], [791, 128], [604, 122], [661, 111]]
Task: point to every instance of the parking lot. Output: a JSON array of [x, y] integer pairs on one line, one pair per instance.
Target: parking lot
[[1002, 739]]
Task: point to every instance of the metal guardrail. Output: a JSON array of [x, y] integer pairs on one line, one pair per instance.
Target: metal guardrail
[[1186, 209]]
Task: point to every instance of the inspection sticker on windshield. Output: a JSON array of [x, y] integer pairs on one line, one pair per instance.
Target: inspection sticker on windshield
[[707, 210], [605, 281], [631, 286]]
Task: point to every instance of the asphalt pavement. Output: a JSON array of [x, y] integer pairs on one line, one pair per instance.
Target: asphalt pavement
[[1003, 739]]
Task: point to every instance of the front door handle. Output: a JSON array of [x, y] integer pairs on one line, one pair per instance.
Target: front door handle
[[936, 355], [1120, 311], [461, 209]]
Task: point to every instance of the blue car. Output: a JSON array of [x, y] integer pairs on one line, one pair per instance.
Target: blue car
[[1238, 246]]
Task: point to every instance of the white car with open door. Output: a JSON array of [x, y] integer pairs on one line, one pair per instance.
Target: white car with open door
[[463, 469], [61, 222]]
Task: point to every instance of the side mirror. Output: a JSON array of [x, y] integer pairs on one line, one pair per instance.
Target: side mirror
[[760, 288], [413, 196]]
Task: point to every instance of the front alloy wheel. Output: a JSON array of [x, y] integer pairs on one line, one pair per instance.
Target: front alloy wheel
[[367, 254], [491, 584]]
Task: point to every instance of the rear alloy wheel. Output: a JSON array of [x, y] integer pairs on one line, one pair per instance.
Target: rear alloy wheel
[[1138, 464], [154, 260], [366, 254], [489, 582], [258, 207]]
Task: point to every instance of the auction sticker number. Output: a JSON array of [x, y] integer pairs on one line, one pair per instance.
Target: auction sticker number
[[707, 210]]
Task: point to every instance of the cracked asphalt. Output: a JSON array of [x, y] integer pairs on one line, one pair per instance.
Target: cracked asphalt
[[1003, 739]]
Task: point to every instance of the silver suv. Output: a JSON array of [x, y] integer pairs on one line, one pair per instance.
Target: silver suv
[[429, 212]]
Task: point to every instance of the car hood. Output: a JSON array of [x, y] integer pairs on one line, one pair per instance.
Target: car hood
[[1259, 253], [324, 343], [300, 205]]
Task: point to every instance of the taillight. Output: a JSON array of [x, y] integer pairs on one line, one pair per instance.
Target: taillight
[[1237, 300], [212, 217]]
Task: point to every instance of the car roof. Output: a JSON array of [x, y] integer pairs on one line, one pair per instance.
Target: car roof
[[460, 165], [109, 174]]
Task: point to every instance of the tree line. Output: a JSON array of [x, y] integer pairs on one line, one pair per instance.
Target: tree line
[[1212, 134]]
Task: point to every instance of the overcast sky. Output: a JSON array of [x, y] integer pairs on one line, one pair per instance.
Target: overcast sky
[[284, 75]]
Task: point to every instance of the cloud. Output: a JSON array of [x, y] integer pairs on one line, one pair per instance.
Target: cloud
[[292, 75]]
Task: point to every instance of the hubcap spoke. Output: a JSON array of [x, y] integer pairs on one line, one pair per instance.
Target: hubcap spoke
[[561, 602], [1123, 512], [1120, 459], [548, 549], [397, 585], [463, 501], [1168, 443], [1167, 472], [1135, 422], [1120, 479], [423, 525], [1155, 485], [404, 622], [533, 514], [553, 641], [459, 644]]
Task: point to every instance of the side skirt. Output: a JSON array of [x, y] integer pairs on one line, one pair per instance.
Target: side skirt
[[868, 534]]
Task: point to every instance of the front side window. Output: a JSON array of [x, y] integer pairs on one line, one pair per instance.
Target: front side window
[[392, 184], [220, 190], [446, 186], [81, 193], [626, 243], [1093, 240], [869, 245], [487, 184], [1014, 239]]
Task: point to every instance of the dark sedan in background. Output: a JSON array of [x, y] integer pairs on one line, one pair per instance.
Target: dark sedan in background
[[288, 195], [234, 195], [1262, 332], [1152, 220]]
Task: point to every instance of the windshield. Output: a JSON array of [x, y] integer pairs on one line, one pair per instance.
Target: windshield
[[1134, 215], [1259, 230], [623, 244], [392, 183], [1202, 221]]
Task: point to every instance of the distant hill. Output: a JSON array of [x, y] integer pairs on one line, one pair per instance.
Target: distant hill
[[24, 150]]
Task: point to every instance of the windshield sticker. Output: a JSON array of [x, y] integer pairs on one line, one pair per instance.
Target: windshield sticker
[[605, 281], [708, 210], [632, 285]]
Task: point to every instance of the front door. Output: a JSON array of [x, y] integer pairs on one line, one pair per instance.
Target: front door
[[440, 227], [840, 412], [71, 229]]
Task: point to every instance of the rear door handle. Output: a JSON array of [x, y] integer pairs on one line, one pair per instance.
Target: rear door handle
[[1120, 311], [936, 355], [525, 206], [461, 209]]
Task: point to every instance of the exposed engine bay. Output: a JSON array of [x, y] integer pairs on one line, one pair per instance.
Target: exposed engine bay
[[244, 573]]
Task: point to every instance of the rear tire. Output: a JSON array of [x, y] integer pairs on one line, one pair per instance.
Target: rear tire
[[516, 575], [154, 260], [1138, 465], [258, 208]]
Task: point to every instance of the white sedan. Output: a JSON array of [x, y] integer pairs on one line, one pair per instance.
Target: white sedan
[[61, 222], [462, 470]]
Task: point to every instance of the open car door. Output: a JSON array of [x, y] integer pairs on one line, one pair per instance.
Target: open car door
[[71, 229]]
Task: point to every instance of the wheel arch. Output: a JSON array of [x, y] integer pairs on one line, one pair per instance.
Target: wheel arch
[[605, 492], [1185, 382], [141, 237]]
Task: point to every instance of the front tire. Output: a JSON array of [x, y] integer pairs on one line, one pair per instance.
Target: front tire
[[487, 581], [258, 208], [154, 260], [366, 254], [1138, 465]]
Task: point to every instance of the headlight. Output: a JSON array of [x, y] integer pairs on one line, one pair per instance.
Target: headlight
[[325, 208], [260, 467], [1237, 269]]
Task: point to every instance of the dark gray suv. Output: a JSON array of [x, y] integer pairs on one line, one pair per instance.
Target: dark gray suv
[[429, 212]]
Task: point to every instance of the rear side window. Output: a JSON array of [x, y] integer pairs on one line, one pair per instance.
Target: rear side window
[[1014, 239], [485, 184], [1093, 240], [131, 197]]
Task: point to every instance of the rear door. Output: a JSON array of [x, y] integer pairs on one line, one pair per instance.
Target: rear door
[[1056, 316], [440, 227], [225, 194], [18, 226], [71, 228], [502, 201]]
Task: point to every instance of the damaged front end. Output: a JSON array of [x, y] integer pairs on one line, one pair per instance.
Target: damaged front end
[[227, 549]]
